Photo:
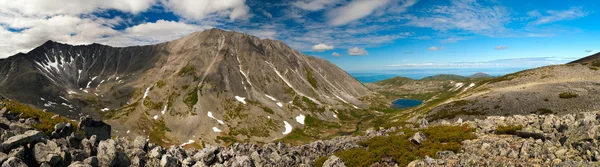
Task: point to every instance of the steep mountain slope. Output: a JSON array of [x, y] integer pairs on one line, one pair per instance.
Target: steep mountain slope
[[557, 89], [208, 84]]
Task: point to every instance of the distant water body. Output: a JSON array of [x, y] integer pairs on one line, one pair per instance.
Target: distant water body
[[375, 76], [406, 103]]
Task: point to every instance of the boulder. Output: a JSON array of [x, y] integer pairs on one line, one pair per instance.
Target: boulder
[[18, 152], [28, 137], [418, 138], [107, 153], [156, 152], [89, 146], [62, 130], [92, 161], [14, 162], [140, 143], [445, 154], [90, 127], [79, 164], [169, 161], [334, 161], [48, 152]]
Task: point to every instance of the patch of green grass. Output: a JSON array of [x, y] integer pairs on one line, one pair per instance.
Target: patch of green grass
[[268, 110], [161, 84], [187, 70], [445, 114], [402, 151], [311, 79], [508, 130], [151, 104], [191, 98], [46, 124], [567, 95]]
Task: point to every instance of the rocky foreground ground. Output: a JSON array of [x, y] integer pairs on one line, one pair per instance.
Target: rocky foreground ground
[[543, 140]]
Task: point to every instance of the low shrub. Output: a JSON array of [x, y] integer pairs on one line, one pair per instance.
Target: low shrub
[[567, 95], [508, 130]]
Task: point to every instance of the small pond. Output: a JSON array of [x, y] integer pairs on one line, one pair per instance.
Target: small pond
[[406, 103]]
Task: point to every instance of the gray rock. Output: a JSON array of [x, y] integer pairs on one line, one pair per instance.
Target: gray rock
[[445, 154], [418, 138], [168, 161], [424, 123], [45, 165], [14, 162], [243, 161], [79, 164], [90, 127], [48, 152], [62, 130], [156, 152], [90, 146], [92, 161], [18, 152], [334, 161], [107, 153], [141, 143], [28, 137], [3, 157]]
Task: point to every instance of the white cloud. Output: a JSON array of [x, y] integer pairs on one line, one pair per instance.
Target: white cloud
[[201, 9], [501, 47], [315, 5], [434, 48], [322, 47], [355, 51], [336, 54], [359, 9], [160, 31], [453, 39], [72, 7], [554, 16], [465, 15], [588, 51]]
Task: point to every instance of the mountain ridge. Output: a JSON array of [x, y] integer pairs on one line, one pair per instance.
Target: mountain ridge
[[236, 79]]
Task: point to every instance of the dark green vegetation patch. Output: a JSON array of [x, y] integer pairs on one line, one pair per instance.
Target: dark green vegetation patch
[[567, 95], [401, 150], [508, 130]]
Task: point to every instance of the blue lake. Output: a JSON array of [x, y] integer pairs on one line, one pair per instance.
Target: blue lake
[[406, 103]]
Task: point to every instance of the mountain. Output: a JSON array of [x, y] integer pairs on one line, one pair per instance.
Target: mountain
[[557, 89], [480, 75], [208, 85]]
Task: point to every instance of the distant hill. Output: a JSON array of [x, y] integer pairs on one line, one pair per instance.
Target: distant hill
[[445, 77], [480, 75]]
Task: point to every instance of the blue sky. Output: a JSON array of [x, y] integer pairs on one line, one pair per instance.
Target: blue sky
[[357, 35]]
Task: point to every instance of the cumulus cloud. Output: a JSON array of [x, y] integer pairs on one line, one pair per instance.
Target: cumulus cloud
[[160, 31], [435, 48], [322, 47], [315, 5], [336, 54], [359, 9], [200, 9], [355, 51], [72, 7], [501, 47], [554, 15]]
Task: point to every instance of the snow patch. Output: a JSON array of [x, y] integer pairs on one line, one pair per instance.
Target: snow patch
[[155, 117], [241, 99], [300, 119], [271, 97], [187, 143], [335, 115], [104, 109], [128, 131], [165, 108], [279, 104], [215, 129], [146, 93], [218, 120], [288, 128]]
